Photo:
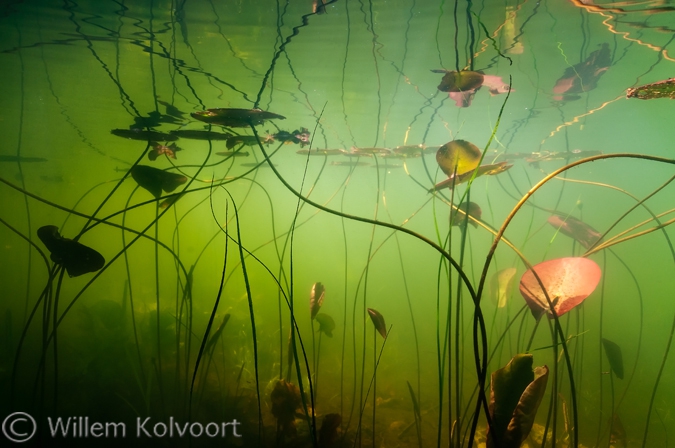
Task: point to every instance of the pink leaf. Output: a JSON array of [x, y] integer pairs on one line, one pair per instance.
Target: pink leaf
[[568, 281]]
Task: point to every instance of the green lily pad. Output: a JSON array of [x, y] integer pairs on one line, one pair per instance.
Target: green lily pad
[[458, 157]]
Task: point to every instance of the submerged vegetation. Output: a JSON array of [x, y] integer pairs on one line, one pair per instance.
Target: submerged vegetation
[[193, 290]]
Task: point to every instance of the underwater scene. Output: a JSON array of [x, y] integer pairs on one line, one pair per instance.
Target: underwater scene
[[346, 223]]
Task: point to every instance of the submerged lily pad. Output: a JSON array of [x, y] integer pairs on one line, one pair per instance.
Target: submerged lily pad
[[326, 324], [614, 356], [458, 157], [77, 258], [586, 235], [500, 286], [458, 217], [568, 282]]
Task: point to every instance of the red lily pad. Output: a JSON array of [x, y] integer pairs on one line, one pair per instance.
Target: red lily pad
[[568, 281]]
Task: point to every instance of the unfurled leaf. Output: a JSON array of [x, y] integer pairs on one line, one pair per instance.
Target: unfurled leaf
[[378, 321], [458, 157], [614, 357], [500, 286], [568, 281], [316, 298], [515, 394]]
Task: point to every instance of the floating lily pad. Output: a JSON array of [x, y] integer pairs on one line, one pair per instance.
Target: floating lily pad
[[568, 282], [200, 135], [140, 134], [460, 81], [155, 180], [660, 89], [235, 118]]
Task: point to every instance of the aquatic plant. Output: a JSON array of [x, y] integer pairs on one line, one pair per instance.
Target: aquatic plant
[[516, 391], [557, 286], [198, 308]]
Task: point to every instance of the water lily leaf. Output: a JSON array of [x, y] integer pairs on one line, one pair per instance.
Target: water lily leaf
[[326, 324], [155, 180], [617, 436], [614, 356], [458, 217], [515, 394], [316, 298], [378, 321], [659, 89], [500, 286], [458, 157], [237, 118], [460, 81], [526, 410], [568, 282], [586, 235], [482, 170], [77, 258]]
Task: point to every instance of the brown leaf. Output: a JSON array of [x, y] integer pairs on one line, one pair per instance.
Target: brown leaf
[[316, 298], [378, 321]]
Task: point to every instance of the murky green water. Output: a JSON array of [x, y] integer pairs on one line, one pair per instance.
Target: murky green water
[[190, 316]]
